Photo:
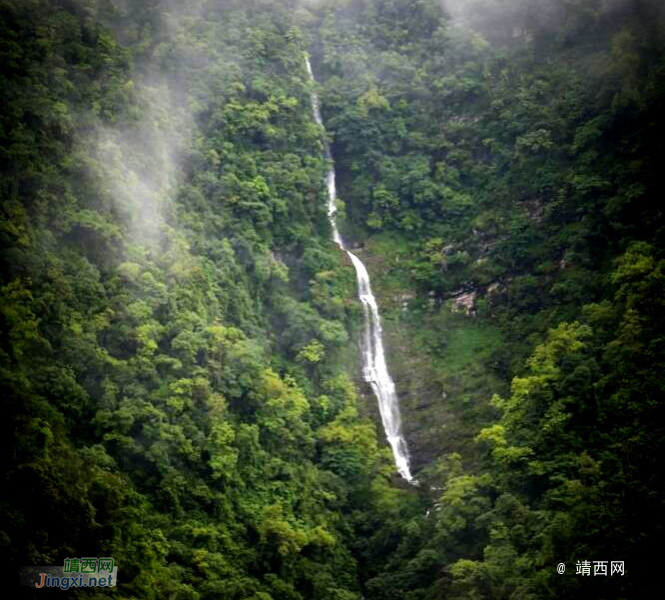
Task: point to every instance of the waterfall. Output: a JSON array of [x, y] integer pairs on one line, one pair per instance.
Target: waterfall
[[375, 369]]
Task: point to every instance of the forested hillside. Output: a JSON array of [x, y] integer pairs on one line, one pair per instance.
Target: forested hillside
[[179, 336]]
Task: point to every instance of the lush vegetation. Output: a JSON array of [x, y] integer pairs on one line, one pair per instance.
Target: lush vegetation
[[177, 331], [511, 151], [173, 314]]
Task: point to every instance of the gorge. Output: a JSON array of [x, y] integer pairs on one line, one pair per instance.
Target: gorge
[[190, 367]]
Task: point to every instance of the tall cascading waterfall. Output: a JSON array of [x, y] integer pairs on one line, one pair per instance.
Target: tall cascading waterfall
[[375, 369]]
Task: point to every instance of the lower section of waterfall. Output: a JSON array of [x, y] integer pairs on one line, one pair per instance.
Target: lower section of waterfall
[[375, 369]]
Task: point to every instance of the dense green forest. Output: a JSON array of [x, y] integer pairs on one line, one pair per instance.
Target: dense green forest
[[179, 370]]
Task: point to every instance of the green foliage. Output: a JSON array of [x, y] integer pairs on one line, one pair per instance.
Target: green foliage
[[506, 153], [172, 311], [175, 323]]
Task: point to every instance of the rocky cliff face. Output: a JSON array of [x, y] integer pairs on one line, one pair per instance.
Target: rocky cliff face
[[439, 354]]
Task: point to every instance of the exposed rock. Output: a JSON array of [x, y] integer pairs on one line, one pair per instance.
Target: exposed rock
[[404, 297], [535, 209], [465, 301]]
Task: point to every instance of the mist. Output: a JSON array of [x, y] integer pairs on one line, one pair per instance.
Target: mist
[[505, 22], [140, 160], [140, 165]]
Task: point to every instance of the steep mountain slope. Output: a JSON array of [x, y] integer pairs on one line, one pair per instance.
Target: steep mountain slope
[[178, 332], [500, 165], [173, 313]]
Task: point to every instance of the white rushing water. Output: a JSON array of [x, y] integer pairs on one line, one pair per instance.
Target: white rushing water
[[375, 369]]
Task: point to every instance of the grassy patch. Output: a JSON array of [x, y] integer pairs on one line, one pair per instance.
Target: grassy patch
[[459, 341]]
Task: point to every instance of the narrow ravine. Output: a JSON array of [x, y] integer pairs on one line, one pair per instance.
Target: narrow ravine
[[375, 369]]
